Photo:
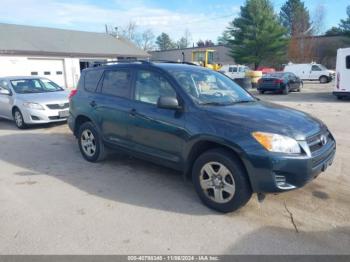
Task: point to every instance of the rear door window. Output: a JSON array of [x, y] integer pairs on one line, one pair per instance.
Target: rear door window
[[91, 79], [348, 62], [117, 83]]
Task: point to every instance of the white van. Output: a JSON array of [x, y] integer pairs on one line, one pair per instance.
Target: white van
[[234, 71], [342, 87], [311, 71]]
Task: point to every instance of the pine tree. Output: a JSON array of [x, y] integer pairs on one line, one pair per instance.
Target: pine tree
[[256, 34], [164, 42], [296, 18]]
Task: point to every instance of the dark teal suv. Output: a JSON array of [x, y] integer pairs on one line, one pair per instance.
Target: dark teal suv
[[201, 123]]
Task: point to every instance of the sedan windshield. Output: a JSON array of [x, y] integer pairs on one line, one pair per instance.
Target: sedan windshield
[[209, 87], [37, 85], [274, 75]]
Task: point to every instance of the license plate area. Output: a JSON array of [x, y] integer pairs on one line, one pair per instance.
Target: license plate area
[[63, 114]]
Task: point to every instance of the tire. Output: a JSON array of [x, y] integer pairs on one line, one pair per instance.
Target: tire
[[300, 86], [90, 143], [18, 118], [225, 194], [261, 92], [286, 90], [323, 79]]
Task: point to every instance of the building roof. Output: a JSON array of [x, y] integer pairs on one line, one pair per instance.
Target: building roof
[[20, 39]]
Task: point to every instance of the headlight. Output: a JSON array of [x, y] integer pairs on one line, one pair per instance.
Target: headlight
[[33, 106], [277, 143]]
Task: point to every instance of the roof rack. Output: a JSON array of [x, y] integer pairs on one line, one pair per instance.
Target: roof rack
[[173, 62], [147, 62], [96, 64]]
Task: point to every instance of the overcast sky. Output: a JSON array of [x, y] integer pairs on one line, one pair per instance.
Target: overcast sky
[[205, 19]]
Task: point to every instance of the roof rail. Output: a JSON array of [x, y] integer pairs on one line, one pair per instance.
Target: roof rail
[[148, 62], [173, 62], [97, 64]]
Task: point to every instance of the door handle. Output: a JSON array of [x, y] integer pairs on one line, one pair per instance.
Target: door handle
[[93, 103], [133, 112]]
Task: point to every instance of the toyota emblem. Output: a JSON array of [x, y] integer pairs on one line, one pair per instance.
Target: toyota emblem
[[323, 140]]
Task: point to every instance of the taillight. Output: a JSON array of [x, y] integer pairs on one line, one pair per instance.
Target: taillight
[[72, 93], [278, 81]]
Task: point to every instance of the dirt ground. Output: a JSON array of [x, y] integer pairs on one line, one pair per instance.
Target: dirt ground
[[54, 202]]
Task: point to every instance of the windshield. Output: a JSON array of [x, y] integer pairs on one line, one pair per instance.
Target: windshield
[[209, 87], [322, 67], [28, 86]]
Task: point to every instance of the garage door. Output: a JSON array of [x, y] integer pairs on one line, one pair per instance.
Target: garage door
[[52, 69]]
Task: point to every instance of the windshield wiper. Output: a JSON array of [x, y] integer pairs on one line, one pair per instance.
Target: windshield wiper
[[212, 104]]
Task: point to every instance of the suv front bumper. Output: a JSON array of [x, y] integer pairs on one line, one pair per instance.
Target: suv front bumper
[[278, 173]]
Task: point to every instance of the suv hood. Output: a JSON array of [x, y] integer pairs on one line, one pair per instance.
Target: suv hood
[[267, 117], [43, 98]]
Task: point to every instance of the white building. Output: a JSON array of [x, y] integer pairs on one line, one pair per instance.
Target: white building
[[58, 54]]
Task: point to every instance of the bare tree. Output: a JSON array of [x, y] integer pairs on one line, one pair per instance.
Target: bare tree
[[129, 31], [318, 21], [145, 40]]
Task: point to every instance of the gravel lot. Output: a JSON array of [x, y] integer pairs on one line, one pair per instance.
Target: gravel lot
[[54, 202]]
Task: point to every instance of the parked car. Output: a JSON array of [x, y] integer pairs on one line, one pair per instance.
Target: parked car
[[279, 82], [342, 88], [200, 122], [311, 71], [32, 100]]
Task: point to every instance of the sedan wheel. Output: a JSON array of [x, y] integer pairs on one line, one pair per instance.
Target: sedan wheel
[[18, 117]]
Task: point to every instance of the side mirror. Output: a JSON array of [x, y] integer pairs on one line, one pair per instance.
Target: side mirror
[[5, 92], [168, 102]]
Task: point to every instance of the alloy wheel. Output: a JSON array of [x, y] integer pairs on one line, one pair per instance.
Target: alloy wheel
[[217, 182], [88, 143]]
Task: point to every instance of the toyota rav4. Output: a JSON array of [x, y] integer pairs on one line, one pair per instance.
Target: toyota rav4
[[198, 121]]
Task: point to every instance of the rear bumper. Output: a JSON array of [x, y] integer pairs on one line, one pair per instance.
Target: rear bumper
[[341, 94], [277, 173], [270, 87]]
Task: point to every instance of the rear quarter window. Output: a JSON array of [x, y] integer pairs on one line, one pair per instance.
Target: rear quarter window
[[91, 79], [347, 62]]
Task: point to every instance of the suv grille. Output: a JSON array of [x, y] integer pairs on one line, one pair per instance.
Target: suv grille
[[316, 142], [58, 106]]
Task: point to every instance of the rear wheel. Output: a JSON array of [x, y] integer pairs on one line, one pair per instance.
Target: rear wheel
[[19, 120], [220, 181], [90, 143], [301, 85], [261, 92], [323, 79]]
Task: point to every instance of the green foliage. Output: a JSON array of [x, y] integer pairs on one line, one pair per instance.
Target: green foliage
[[256, 34], [164, 42], [334, 31], [295, 18], [345, 23]]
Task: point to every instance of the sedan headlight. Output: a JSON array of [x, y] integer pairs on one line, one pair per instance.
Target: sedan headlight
[[33, 106], [277, 143]]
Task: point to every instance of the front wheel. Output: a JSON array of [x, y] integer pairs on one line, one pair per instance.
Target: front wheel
[[323, 79], [19, 120], [286, 90], [90, 143], [221, 181]]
